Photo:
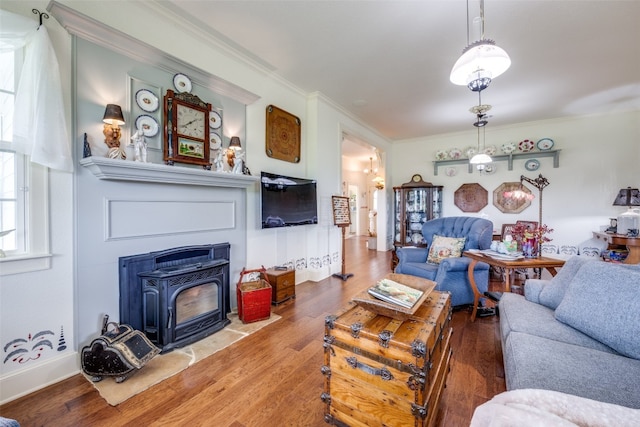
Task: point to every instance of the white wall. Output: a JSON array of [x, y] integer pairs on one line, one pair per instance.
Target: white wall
[[31, 303], [600, 154]]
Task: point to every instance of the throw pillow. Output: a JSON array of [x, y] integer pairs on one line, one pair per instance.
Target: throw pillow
[[551, 295], [445, 247], [602, 301]]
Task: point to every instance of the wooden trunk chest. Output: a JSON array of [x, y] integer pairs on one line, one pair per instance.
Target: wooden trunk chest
[[384, 372], [283, 284]]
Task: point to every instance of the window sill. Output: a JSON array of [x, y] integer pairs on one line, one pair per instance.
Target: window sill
[[24, 264], [123, 170]]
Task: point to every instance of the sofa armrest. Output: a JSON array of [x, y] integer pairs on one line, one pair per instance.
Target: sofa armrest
[[412, 254], [533, 287]]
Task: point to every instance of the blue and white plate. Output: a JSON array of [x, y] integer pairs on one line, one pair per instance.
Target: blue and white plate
[[147, 124], [545, 144], [532, 165]]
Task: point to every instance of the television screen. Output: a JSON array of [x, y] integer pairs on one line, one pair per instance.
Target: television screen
[[288, 201]]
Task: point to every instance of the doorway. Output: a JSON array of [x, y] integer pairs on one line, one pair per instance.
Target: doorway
[[362, 172]]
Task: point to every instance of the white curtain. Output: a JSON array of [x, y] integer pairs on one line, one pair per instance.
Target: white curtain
[[39, 125]]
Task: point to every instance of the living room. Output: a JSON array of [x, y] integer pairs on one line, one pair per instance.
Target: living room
[[599, 156]]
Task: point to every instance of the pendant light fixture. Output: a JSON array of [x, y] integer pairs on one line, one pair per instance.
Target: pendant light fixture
[[481, 159], [481, 61]]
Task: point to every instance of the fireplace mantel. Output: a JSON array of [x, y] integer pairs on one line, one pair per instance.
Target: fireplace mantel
[[123, 170]]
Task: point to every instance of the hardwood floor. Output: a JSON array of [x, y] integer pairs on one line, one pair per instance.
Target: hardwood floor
[[272, 378]]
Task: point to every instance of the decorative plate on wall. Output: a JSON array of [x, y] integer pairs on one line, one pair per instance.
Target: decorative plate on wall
[[282, 135], [532, 165], [506, 204], [471, 197]]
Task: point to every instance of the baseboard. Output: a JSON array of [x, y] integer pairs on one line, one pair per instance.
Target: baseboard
[[26, 381]]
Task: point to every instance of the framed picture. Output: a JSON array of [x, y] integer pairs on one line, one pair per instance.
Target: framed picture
[[471, 197], [341, 214], [282, 135], [508, 205]]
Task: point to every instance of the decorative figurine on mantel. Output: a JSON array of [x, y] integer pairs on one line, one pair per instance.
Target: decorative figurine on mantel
[[219, 161], [140, 146]]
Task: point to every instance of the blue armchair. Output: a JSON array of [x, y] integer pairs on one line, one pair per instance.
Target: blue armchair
[[451, 274]]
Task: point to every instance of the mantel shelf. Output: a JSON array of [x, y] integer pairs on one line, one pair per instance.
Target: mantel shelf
[[508, 157], [123, 170]]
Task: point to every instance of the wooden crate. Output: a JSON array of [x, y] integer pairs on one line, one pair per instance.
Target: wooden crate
[[283, 284], [254, 298], [384, 371]]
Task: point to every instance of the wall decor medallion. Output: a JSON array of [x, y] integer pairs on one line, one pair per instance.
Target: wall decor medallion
[[510, 205], [471, 197], [283, 132], [186, 138]]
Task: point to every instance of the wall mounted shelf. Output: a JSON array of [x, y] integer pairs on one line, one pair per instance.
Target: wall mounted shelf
[[508, 157], [123, 170]]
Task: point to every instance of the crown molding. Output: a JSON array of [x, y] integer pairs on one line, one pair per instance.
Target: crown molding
[[100, 34]]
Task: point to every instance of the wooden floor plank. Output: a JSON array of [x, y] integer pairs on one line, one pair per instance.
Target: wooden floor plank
[[273, 376]]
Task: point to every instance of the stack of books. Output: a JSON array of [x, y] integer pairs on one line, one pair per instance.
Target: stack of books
[[395, 293]]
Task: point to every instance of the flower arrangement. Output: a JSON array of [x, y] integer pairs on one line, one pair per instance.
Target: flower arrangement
[[522, 232]]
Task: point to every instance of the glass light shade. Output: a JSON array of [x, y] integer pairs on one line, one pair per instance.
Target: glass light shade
[[482, 57], [113, 115], [480, 158]]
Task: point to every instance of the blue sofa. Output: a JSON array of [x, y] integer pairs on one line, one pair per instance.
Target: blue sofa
[[577, 333], [451, 274]]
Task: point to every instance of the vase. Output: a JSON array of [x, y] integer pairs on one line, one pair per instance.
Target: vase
[[530, 248]]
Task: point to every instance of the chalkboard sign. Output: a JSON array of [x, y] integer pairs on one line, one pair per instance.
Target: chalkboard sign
[[341, 215]]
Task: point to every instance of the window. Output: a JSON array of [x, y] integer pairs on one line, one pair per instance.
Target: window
[[23, 234]]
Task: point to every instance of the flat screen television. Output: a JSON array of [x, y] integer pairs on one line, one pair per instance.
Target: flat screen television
[[288, 201]]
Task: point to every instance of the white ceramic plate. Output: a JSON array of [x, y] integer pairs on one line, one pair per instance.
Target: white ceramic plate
[[182, 83], [215, 142], [508, 148], [441, 155], [532, 165], [545, 144], [147, 124], [470, 152], [146, 100], [526, 145], [215, 121], [490, 150], [455, 153], [490, 169]]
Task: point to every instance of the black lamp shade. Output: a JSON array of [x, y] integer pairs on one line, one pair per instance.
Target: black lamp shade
[[235, 143], [113, 115], [627, 197]]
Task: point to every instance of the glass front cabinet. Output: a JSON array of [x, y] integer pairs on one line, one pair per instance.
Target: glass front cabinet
[[415, 203]]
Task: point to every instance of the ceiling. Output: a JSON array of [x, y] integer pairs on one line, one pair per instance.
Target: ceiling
[[388, 62]]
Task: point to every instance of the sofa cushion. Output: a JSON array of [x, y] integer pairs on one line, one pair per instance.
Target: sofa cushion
[[520, 315], [445, 247], [602, 301], [552, 294], [535, 362]]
